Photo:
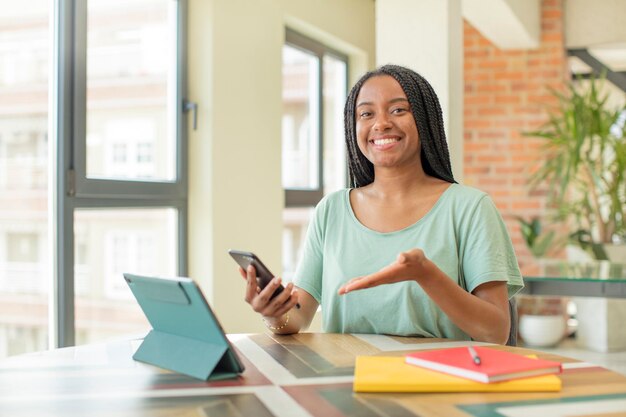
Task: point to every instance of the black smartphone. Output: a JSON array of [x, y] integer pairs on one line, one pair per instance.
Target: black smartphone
[[263, 274]]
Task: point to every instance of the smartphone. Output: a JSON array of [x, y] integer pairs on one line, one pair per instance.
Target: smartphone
[[263, 274]]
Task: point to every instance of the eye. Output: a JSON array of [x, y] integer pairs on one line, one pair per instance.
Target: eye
[[365, 114], [399, 110]]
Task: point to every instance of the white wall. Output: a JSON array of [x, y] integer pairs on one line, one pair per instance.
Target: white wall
[[427, 37], [509, 24], [234, 74], [590, 23]]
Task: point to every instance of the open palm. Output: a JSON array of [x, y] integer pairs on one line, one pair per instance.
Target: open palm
[[407, 267]]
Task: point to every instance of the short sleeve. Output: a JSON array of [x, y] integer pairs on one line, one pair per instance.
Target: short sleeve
[[308, 274], [486, 250]]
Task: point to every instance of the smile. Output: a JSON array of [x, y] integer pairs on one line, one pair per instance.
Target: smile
[[384, 141]]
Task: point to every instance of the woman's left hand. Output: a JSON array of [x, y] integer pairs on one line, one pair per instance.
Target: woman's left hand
[[409, 266]]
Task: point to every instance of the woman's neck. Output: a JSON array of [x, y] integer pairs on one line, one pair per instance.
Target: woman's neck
[[400, 183]]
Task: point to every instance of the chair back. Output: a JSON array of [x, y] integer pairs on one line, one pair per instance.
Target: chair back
[[513, 329]]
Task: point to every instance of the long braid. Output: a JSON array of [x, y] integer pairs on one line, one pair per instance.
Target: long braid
[[428, 117], [361, 170]]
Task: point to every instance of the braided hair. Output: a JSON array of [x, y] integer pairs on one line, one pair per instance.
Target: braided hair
[[428, 118]]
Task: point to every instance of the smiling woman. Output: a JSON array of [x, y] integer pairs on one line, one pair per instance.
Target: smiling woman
[[387, 134], [427, 117], [420, 254]]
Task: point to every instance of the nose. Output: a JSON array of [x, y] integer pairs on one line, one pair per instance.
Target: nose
[[382, 122]]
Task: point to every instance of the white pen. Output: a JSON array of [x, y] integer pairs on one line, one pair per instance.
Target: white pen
[[475, 356]]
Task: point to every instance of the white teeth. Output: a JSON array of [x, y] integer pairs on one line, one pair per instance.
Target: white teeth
[[384, 141]]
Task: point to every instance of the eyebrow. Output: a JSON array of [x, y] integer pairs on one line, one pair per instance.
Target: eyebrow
[[393, 100]]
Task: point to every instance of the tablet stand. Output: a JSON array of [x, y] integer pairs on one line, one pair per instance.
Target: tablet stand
[[196, 358]]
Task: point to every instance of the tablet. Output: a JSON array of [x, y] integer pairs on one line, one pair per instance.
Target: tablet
[[186, 336]]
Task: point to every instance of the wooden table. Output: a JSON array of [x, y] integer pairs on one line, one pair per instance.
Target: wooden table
[[302, 375]]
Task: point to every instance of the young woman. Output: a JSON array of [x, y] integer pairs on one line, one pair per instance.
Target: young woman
[[406, 250]]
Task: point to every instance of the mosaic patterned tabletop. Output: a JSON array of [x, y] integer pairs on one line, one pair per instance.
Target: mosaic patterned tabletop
[[307, 374]]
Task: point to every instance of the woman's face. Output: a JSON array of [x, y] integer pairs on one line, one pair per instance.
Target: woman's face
[[385, 128]]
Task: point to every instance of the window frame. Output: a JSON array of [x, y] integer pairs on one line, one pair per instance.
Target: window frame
[[308, 197], [70, 188]]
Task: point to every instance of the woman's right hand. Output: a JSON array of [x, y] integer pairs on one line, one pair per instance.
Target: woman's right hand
[[260, 299]]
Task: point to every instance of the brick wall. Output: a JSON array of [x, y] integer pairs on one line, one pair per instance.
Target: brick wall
[[505, 95]]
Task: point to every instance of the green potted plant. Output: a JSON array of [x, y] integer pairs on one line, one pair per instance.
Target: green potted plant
[[584, 165], [538, 241]]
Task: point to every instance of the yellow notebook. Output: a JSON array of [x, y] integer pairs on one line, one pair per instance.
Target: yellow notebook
[[392, 374]]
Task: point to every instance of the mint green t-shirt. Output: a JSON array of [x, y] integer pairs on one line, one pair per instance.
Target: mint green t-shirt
[[463, 234]]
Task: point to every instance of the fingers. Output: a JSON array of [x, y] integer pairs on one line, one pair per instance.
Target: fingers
[[286, 307], [407, 267], [262, 301], [387, 275], [345, 287], [358, 283], [251, 285], [413, 255], [282, 303], [263, 298]]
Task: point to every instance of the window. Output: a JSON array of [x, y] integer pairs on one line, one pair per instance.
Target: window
[[301, 120], [95, 86], [130, 89], [25, 47], [313, 154], [124, 204]]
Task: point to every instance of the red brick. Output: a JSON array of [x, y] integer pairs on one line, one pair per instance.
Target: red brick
[[476, 147], [522, 182], [506, 95], [550, 4], [552, 37], [547, 27], [501, 204], [492, 159], [484, 42], [473, 170], [509, 170], [493, 64], [492, 134], [477, 76], [507, 99], [551, 14], [510, 75], [509, 122], [478, 123], [491, 87], [525, 205], [476, 53], [492, 111], [479, 99], [543, 74], [516, 148], [494, 181], [540, 98]]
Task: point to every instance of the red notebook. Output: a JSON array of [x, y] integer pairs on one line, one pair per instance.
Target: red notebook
[[495, 365]]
